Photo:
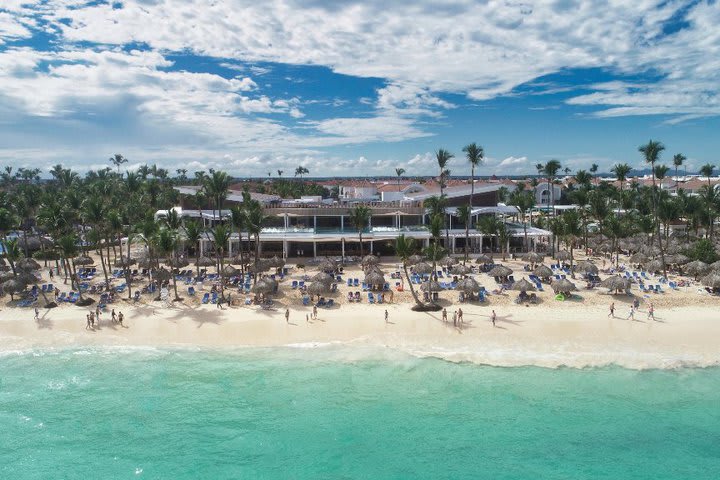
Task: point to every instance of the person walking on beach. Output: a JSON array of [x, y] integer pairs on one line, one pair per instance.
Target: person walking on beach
[[444, 315], [493, 317], [460, 316], [307, 318], [314, 314], [88, 325], [97, 313], [37, 314], [113, 316], [386, 316], [120, 319], [651, 312], [455, 318], [612, 310], [287, 315], [52, 275], [632, 313]]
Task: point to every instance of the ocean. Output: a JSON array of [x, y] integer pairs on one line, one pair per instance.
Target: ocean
[[341, 413]]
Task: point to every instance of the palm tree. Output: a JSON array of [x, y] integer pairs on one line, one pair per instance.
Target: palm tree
[[193, 232], [68, 248], [254, 220], [167, 243], [359, 218], [399, 172], [118, 160], [464, 214], [279, 172], [550, 169], [571, 230], [583, 178], [524, 200], [661, 172], [678, 160], [94, 213], [443, 157], [475, 155], [651, 153], [711, 199], [707, 171], [621, 171], [216, 186], [488, 226], [593, 170], [405, 248], [219, 235], [300, 171]]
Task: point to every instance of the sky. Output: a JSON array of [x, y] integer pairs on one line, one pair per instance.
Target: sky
[[357, 88]]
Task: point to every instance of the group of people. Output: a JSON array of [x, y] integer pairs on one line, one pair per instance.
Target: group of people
[[94, 316], [457, 317], [634, 307]]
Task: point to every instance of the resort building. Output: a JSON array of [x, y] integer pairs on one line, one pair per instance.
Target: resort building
[[316, 226]]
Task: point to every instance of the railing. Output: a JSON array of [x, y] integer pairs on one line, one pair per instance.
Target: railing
[[347, 230]]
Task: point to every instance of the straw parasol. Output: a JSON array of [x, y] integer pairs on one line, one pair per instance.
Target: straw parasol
[[423, 268], [162, 274], [563, 286], [500, 271], [277, 262], [697, 268], [323, 277], [430, 286], [262, 265], [615, 283], [543, 271], [414, 259], [5, 276], [715, 266], [460, 270], [327, 265], [484, 259], [587, 267], [522, 285], [262, 287], [679, 259], [653, 265], [562, 255], [125, 262], [229, 271], [13, 286], [370, 260], [238, 260], [145, 262], [83, 260], [468, 285], [533, 257], [205, 262], [27, 264], [447, 262], [178, 262], [712, 280], [375, 278], [317, 288], [638, 257], [27, 277]]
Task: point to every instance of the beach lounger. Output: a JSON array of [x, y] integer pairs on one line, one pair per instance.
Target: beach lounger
[[306, 300], [206, 298], [371, 298], [365, 287], [294, 284], [191, 291], [62, 297], [330, 303], [356, 282], [349, 282]]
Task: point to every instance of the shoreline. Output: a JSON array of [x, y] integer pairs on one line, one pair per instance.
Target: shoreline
[[683, 337]]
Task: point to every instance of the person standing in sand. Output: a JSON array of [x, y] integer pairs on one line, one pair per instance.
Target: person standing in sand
[[651, 312], [632, 313], [307, 318], [386, 316], [612, 310], [113, 316], [493, 317], [444, 315], [37, 314], [455, 318], [287, 315], [314, 314], [120, 319], [88, 325], [460, 316]]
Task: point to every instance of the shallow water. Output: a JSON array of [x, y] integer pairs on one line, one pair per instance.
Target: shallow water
[[340, 413]]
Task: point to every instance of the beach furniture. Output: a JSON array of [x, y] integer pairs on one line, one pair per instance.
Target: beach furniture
[[357, 297], [349, 282], [350, 297], [330, 303], [136, 297], [371, 298], [62, 297], [386, 287], [206, 298], [435, 296], [191, 291], [365, 287], [356, 282], [294, 284], [306, 300]]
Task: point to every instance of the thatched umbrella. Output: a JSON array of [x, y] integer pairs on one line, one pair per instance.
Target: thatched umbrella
[[13, 286], [414, 259], [262, 287], [229, 271], [204, 262], [447, 262], [697, 268], [27, 264], [423, 268], [650, 250], [653, 265], [145, 262], [125, 262], [277, 262], [533, 257], [5, 276], [562, 255], [327, 265], [712, 280], [375, 278], [615, 283], [27, 277], [460, 270], [468, 285], [84, 260], [543, 271], [262, 265], [522, 285], [500, 271], [178, 262], [638, 257], [486, 259], [162, 275], [323, 277], [430, 286], [587, 267], [237, 260], [318, 288], [678, 259], [370, 260], [563, 286], [715, 266]]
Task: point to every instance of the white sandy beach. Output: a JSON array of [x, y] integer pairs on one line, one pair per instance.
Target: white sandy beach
[[550, 337]]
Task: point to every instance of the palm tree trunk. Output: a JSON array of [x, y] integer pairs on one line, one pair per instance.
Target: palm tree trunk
[[657, 223], [412, 289], [102, 262], [361, 247], [174, 277]]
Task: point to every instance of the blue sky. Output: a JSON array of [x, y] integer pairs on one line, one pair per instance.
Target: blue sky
[[356, 88]]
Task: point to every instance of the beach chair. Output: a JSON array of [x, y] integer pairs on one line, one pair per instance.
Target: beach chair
[[371, 298], [72, 297], [294, 284], [206, 298], [301, 284], [306, 300], [658, 289], [357, 297], [330, 303], [365, 287], [136, 297], [349, 282], [350, 297], [62, 297], [321, 303], [440, 274], [333, 288], [191, 291], [214, 298], [386, 287], [379, 299], [338, 278]]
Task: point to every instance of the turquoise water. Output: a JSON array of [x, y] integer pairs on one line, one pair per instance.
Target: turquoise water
[[321, 414]]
